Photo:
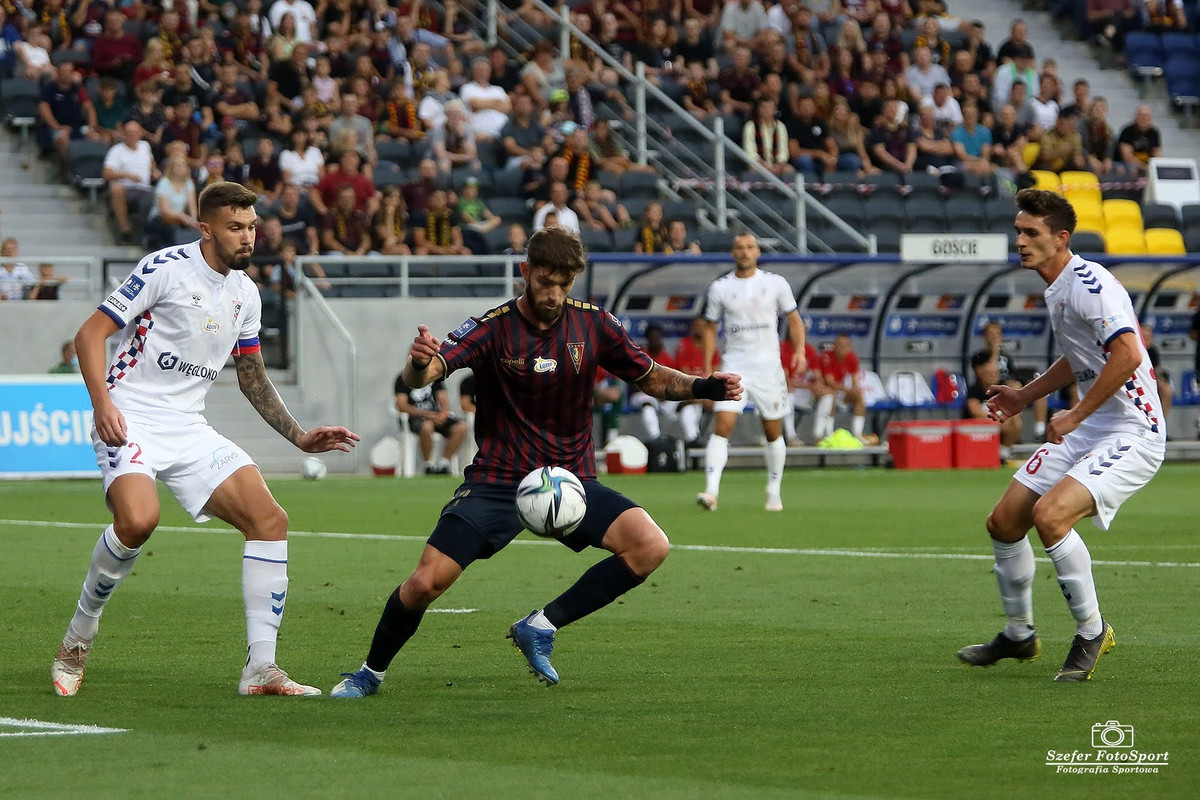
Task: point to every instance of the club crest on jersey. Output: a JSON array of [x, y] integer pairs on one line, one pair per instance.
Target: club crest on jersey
[[576, 351], [544, 364], [132, 286], [237, 309], [196, 300], [211, 326]]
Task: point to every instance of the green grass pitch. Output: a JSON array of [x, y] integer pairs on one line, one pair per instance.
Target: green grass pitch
[[809, 654]]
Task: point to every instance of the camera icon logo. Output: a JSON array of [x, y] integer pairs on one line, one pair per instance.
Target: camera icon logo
[[1112, 734]]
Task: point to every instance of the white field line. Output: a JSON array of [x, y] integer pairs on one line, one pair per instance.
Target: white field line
[[37, 727], [895, 553]]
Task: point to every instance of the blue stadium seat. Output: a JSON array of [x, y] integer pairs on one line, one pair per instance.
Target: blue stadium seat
[[1159, 215], [1144, 54], [596, 241], [1179, 43]]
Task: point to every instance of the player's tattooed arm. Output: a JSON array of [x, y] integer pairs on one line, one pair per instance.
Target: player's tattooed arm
[[667, 384], [258, 389]]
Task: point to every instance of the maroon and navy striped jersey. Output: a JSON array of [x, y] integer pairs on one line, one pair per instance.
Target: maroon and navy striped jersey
[[534, 387]]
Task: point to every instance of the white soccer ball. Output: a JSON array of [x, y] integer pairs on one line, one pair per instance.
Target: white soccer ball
[[313, 468], [551, 502]]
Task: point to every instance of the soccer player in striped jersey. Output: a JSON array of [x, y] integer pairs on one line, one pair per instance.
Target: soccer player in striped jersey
[[1097, 453], [183, 310], [534, 359]]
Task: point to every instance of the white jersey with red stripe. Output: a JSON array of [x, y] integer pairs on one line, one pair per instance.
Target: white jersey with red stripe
[[182, 319], [1088, 309]]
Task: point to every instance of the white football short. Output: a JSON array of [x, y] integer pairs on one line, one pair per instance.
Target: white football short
[[1111, 467], [768, 391], [185, 453], [668, 407]]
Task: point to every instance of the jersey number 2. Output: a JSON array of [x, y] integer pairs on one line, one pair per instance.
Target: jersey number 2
[[137, 455]]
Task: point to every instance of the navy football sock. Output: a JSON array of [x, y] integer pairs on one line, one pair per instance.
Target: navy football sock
[[396, 626], [596, 588]]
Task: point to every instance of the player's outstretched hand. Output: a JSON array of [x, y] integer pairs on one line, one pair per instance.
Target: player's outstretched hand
[[328, 437], [733, 384], [1061, 423], [424, 347], [1003, 402], [110, 425]]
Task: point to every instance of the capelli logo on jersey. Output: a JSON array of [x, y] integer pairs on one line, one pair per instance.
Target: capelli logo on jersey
[[544, 364]]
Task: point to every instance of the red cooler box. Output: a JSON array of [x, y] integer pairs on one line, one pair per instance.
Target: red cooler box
[[976, 444], [921, 444]]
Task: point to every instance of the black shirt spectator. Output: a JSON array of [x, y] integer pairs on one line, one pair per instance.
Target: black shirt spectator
[[296, 226]]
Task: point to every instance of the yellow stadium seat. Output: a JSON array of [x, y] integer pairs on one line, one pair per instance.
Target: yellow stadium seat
[[1030, 153], [1122, 211], [1085, 202], [1164, 242], [1125, 241], [1079, 181], [1089, 222], [1046, 180]]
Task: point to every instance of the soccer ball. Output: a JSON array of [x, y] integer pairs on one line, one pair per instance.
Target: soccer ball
[[551, 502], [313, 468]]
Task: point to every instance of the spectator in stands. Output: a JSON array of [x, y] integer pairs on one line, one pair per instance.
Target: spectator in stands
[[935, 151], [15, 277], [245, 46], [505, 73], [843, 79], [810, 147], [1097, 137], [69, 363], [454, 142], [1012, 47], [236, 168], [743, 23], [981, 52], [973, 143], [543, 73], [185, 127], [428, 411], [283, 42], [65, 111], [264, 174], [1061, 147], [522, 132], [1081, 102], [417, 193], [678, 240], [48, 283], [557, 169], [436, 230], [652, 234], [324, 194], [345, 229], [352, 129], [212, 171], [302, 164], [1165, 15], [739, 83], [1039, 113], [398, 120], [233, 101], [609, 154], [1139, 142], [559, 205], [891, 143], [303, 14], [268, 247], [290, 76], [1109, 20], [390, 224], [33, 55], [946, 110], [972, 90], [850, 139], [199, 98], [930, 35], [1008, 142], [987, 374], [297, 222], [9, 37], [111, 111], [115, 53], [839, 370], [924, 74], [488, 104], [516, 240], [148, 112], [997, 350], [1162, 377], [129, 169], [1018, 69], [473, 211], [610, 42], [765, 139], [173, 218], [431, 108], [596, 211]]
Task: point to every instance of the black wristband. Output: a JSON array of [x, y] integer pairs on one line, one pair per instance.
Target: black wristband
[[420, 367], [708, 389]]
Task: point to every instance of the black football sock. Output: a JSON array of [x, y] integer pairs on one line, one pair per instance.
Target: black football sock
[[396, 626], [596, 588]]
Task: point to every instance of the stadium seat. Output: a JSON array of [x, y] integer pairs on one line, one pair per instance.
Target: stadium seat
[[510, 209], [1030, 154], [1087, 241], [639, 184], [508, 183], [1078, 180], [887, 236], [680, 209], [458, 269], [85, 165], [398, 152], [1125, 241], [840, 242], [1144, 54], [923, 184], [1046, 180], [1191, 240], [609, 180], [716, 241], [1190, 214], [383, 178], [1165, 242], [884, 207], [623, 239], [20, 103], [370, 269], [848, 206], [636, 206], [926, 214], [1178, 43], [1122, 211], [1092, 219], [596, 241], [497, 239], [1160, 215], [881, 181], [965, 213], [459, 177]]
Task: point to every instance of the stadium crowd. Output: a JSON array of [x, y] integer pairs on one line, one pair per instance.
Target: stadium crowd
[[373, 95]]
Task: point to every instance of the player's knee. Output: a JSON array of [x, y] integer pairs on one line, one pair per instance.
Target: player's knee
[[1002, 528], [1050, 517], [649, 551], [420, 590], [134, 528]]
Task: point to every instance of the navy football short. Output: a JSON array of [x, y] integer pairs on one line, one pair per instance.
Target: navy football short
[[481, 519]]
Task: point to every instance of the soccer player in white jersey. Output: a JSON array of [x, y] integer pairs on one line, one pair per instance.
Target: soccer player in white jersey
[[750, 302], [1097, 453], [183, 310]]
